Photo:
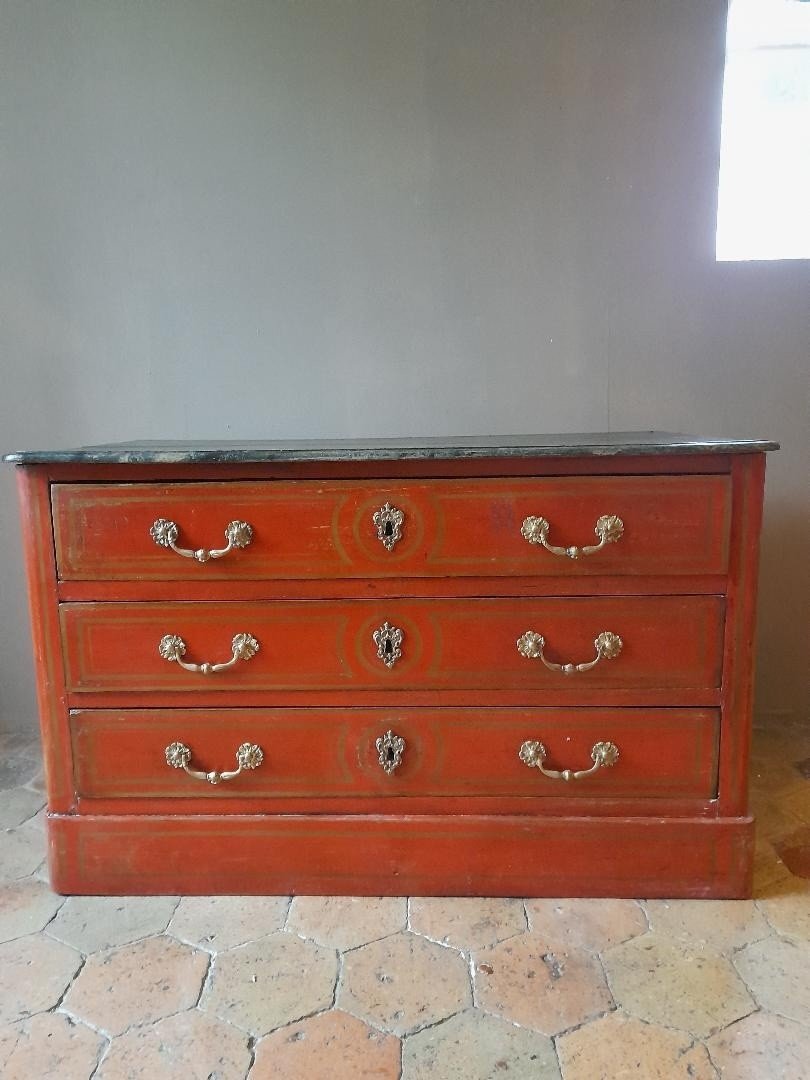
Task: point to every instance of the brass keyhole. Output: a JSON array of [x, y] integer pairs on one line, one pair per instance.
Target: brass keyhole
[[388, 640], [388, 522], [390, 747]]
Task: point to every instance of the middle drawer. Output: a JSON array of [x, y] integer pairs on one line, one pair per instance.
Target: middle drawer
[[399, 644]]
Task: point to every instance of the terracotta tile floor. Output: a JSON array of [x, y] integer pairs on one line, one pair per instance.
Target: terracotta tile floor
[[260, 987]]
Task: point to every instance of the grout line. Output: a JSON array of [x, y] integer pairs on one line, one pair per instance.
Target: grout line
[[207, 979], [139, 1025], [606, 977], [107, 948], [375, 1025], [338, 980], [698, 1041], [104, 1051], [436, 941], [642, 904], [177, 900], [556, 1050], [287, 913], [44, 928], [432, 1024], [87, 1023], [197, 945], [73, 978], [319, 1011], [593, 1017], [471, 971], [204, 980], [251, 1045]]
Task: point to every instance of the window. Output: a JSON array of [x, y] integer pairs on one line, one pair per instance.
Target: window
[[764, 193]]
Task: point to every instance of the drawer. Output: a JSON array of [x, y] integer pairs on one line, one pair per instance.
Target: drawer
[[399, 644], [435, 528], [444, 753]]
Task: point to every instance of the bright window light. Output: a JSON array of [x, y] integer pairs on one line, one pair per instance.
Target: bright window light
[[764, 195]]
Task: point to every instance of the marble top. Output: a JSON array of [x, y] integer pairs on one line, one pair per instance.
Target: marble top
[[591, 444]]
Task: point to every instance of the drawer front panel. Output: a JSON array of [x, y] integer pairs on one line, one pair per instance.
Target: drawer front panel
[[666, 642], [451, 752], [315, 530]]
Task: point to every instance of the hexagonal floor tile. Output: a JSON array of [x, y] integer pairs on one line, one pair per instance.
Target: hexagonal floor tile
[[794, 851], [346, 922], [50, 1046], [18, 805], [619, 1045], [476, 1046], [267, 983], [20, 758], [137, 984], [659, 980], [722, 924], [762, 1045], [93, 923], [38, 821], [777, 972], [797, 801], [25, 907], [769, 870], [787, 908], [223, 922], [404, 982], [34, 972], [523, 981], [467, 922], [313, 1047], [22, 851], [774, 820], [592, 925], [189, 1044]]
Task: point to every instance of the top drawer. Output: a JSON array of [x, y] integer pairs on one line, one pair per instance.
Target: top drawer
[[367, 529]]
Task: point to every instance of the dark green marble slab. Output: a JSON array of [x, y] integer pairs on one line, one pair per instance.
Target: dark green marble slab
[[591, 444]]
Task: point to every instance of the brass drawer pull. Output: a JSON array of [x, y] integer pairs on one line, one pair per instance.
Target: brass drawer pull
[[248, 756], [388, 640], [603, 754], [608, 529], [238, 534], [531, 645], [388, 521], [390, 747], [173, 649]]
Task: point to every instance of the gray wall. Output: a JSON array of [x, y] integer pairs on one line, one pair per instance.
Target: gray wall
[[334, 217]]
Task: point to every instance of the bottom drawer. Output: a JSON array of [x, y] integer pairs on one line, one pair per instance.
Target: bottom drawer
[[331, 753]]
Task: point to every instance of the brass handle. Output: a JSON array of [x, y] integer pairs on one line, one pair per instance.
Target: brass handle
[[531, 645], [390, 747], [388, 521], [608, 529], [173, 649], [248, 756], [165, 533], [603, 754]]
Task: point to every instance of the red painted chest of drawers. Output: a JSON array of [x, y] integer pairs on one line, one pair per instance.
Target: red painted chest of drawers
[[474, 667]]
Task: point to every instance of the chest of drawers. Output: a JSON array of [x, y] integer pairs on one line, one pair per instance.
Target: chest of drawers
[[471, 667]]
